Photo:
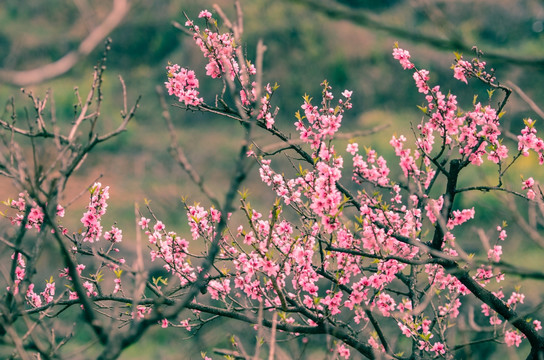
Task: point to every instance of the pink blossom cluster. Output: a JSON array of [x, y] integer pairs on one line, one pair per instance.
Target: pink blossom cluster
[[421, 332], [169, 247], [95, 210], [529, 141], [218, 48], [290, 190], [263, 263], [91, 219], [224, 59], [408, 159], [45, 297], [35, 217], [403, 56], [141, 312], [183, 84], [528, 185], [463, 69], [20, 272], [247, 98], [373, 169], [33, 299], [513, 338], [321, 123], [115, 235], [264, 111], [72, 295], [90, 288], [343, 351], [474, 133], [317, 186], [174, 251]]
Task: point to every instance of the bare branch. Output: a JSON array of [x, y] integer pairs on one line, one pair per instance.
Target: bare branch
[[180, 156], [527, 99]]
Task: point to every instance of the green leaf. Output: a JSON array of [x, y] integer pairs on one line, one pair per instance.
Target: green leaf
[[244, 193], [425, 337], [423, 109], [490, 93], [530, 125]]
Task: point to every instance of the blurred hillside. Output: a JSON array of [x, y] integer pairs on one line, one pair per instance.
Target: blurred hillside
[[347, 42]]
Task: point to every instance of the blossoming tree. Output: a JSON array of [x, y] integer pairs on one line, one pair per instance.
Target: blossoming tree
[[369, 260]]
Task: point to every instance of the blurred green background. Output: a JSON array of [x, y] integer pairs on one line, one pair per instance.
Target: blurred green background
[[347, 42]]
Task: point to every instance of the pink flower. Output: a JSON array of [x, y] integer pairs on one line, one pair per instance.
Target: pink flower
[[515, 298], [60, 211], [512, 338], [438, 348], [117, 287], [421, 77], [159, 226], [185, 324], [343, 351], [404, 58], [502, 233], [115, 235], [352, 148], [95, 210], [405, 329], [459, 70], [205, 14], [90, 289], [459, 217], [529, 183], [183, 84], [143, 222], [141, 311], [495, 253], [347, 93]]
